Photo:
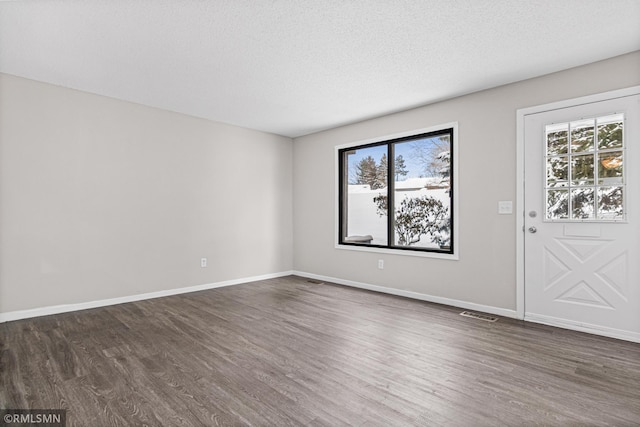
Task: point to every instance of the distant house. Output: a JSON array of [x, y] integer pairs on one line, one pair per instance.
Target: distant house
[[410, 184], [415, 184], [359, 188]]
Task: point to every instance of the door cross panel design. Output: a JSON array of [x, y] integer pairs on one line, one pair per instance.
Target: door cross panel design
[[573, 273]]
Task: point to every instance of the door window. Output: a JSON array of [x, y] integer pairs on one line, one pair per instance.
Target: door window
[[584, 170]]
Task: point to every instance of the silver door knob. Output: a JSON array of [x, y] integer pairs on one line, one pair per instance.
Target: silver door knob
[[532, 229]]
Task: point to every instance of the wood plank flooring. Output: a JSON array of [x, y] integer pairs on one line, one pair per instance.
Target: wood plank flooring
[[288, 352]]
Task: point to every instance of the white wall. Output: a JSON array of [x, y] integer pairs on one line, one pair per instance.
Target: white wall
[[101, 198], [486, 271]]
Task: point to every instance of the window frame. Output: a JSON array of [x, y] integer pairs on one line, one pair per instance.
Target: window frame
[[595, 185], [452, 254]]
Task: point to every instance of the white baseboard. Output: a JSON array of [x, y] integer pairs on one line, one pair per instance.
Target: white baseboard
[[65, 308], [535, 318], [583, 327], [414, 295]]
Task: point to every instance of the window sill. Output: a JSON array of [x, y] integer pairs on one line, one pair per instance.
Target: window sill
[[451, 257]]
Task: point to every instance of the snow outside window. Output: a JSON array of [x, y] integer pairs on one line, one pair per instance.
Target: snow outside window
[[398, 194], [584, 170]]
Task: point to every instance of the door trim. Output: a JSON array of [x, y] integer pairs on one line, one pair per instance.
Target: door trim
[[520, 217]]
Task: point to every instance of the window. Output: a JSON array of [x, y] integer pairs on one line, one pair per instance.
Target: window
[[584, 170], [398, 193]]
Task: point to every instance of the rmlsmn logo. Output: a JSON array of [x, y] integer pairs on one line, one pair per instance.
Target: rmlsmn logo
[[33, 417]]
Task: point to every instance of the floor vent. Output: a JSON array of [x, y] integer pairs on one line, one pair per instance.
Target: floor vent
[[479, 316], [315, 282]]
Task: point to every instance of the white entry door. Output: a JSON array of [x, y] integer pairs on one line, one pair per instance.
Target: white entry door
[[582, 217]]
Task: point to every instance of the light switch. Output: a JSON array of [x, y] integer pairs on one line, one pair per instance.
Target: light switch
[[505, 207]]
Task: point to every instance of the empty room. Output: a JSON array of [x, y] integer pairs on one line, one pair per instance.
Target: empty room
[[320, 213]]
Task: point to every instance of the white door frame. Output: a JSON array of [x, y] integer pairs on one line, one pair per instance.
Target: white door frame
[[521, 114]]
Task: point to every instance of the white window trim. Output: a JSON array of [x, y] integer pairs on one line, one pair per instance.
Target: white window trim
[[456, 215]]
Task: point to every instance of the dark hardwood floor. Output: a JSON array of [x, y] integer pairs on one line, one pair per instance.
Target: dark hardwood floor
[[289, 352]]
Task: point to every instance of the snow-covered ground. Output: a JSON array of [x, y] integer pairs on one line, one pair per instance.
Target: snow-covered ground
[[363, 217]]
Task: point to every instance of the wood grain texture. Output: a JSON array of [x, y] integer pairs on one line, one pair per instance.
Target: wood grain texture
[[288, 352]]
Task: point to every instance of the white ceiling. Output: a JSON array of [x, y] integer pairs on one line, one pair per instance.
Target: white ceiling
[[294, 67]]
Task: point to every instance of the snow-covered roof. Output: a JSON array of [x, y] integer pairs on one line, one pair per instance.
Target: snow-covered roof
[[413, 183], [359, 188], [406, 185]]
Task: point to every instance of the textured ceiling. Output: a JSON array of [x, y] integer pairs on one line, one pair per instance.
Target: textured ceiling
[[294, 67]]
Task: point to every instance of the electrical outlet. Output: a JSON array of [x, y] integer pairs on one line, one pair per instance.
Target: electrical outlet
[[203, 262], [381, 264]]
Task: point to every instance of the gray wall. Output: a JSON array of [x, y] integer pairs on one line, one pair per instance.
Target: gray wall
[[486, 271], [102, 198]]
